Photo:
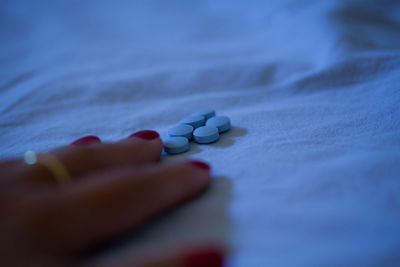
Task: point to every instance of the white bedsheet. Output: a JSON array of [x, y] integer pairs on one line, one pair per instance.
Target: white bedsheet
[[310, 173]]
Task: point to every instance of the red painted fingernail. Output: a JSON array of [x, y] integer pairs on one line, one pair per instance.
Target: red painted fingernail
[[210, 257], [146, 135], [200, 164], [90, 139]]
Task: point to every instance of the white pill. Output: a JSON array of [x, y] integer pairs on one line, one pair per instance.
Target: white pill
[[183, 130], [223, 123], [176, 145], [194, 121], [206, 135], [206, 113]]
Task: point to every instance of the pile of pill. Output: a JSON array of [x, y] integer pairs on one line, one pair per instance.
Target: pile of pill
[[203, 127]]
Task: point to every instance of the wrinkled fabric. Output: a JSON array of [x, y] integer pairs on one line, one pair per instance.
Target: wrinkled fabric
[[309, 175]]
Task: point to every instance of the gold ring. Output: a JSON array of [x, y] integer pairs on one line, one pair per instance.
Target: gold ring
[[52, 163]]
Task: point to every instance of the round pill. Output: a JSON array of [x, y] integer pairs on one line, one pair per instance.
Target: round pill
[[195, 121], [205, 135], [183, 130], [206, 113], [176, 145], [223, 123]]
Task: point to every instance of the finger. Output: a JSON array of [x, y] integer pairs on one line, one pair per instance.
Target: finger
[[108, 203], [137, 150], [8, 168], [192, 256]]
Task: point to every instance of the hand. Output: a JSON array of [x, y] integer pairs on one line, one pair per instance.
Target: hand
[[112, 188]]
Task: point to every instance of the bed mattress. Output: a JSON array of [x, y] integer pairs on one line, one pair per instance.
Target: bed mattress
[[309, 175]]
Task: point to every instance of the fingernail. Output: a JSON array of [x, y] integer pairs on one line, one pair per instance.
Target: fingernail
[[146, 135], [90, 139], [210, 257], [200, 164]]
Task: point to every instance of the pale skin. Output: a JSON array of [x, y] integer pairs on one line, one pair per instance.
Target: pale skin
[[113, 188]]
